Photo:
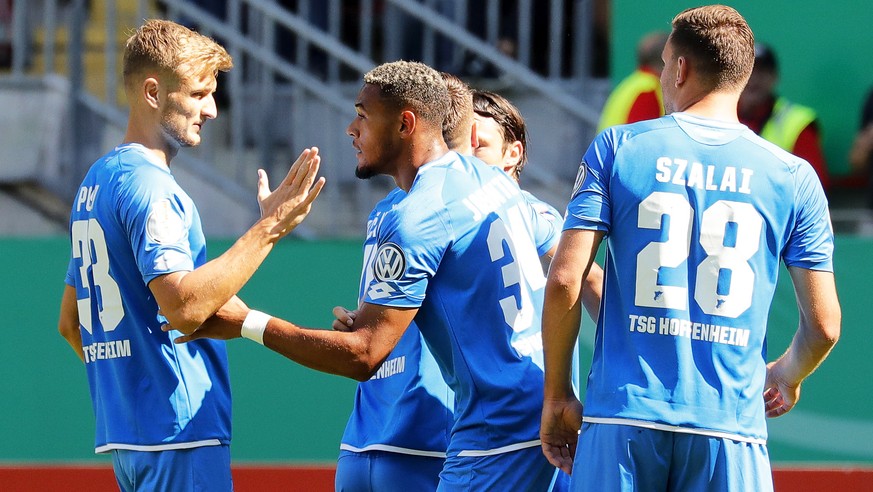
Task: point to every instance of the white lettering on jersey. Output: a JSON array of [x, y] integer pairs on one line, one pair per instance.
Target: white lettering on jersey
[[696, 175], [106, 350], [490, 197], [676, 327], [86, 197], [390, 367]]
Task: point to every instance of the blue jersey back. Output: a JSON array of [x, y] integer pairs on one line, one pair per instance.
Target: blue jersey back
[[130, 223], [459, 247], [698, 214]]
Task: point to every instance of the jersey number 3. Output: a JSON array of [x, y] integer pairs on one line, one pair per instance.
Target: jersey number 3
[[721, 259], [89, 245], [523, 268]]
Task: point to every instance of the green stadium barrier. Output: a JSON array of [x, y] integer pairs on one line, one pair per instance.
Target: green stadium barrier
[[285, 413]]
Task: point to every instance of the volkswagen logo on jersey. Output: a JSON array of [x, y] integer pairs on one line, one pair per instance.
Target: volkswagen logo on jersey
[[390, 262], [581, 174]]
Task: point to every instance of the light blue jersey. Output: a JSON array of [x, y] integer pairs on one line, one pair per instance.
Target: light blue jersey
[[458, 246], [552, 233], [697, 214], [131, 223], [406, 407]]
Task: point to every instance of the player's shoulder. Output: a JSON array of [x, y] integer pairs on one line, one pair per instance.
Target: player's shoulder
[[444, 180], [631, 130], [541, 207], [784, 160], [131, 162]]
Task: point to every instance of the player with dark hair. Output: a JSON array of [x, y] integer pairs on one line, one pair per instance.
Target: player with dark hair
[[399, 429], [163, 410], [501, 140], [453, 253], [697, 212], [501, 133]]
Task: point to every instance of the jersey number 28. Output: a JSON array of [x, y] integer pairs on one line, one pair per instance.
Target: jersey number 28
[[731, 259]]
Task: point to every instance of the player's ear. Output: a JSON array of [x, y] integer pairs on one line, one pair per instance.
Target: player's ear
[[681, 71], [408, 120], [150, 91], [512, 156], [474, 136]]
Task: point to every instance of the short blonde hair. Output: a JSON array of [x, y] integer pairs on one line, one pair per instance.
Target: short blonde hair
[[719, 40], [172, 48]]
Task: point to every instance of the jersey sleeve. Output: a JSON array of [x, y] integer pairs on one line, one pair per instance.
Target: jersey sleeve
[[70, 277], [411, 242], [546, 222], [589, 206], [811, 241], [157, 216]]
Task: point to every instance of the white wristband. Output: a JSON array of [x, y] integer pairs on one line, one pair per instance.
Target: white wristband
[[254, 325]]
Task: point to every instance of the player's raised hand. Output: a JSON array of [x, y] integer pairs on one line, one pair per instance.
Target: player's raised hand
[[291, 201], [779, 396], [559, 431]]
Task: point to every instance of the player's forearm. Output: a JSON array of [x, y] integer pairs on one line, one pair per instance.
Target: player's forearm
[[200, 293], [68, 321], [74, 337], [348, 354], [809, 348], [819, 328], [562, 314]]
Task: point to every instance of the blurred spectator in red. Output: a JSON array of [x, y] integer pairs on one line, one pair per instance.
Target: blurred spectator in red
[[638, 96], [791, 126]]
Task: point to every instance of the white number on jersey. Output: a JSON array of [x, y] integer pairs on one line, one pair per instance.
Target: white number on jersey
[[89, 244], [674, 251], [523, 269]]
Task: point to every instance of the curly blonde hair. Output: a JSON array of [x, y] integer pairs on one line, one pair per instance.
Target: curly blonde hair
[[413, 85], [172, 49]]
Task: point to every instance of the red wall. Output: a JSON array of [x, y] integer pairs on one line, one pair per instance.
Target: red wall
[[250, 478]]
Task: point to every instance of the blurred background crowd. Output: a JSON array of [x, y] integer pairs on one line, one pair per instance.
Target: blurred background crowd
[[572, 67]]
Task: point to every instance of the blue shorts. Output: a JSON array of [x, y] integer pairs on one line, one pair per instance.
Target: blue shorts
[[526, 469], [385, 471], [627, 458], [203, 468]]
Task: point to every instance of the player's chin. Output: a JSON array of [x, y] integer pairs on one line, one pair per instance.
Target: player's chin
[[190, 140], [362, 171]]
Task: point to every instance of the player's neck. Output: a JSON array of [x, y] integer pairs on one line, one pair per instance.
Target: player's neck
[[154, 142], [715, 105], [418, 154]]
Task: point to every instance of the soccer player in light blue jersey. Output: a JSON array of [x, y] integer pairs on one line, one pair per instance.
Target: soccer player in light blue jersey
[[697, 212], [163, 411], [400, 424], [453, 253]]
